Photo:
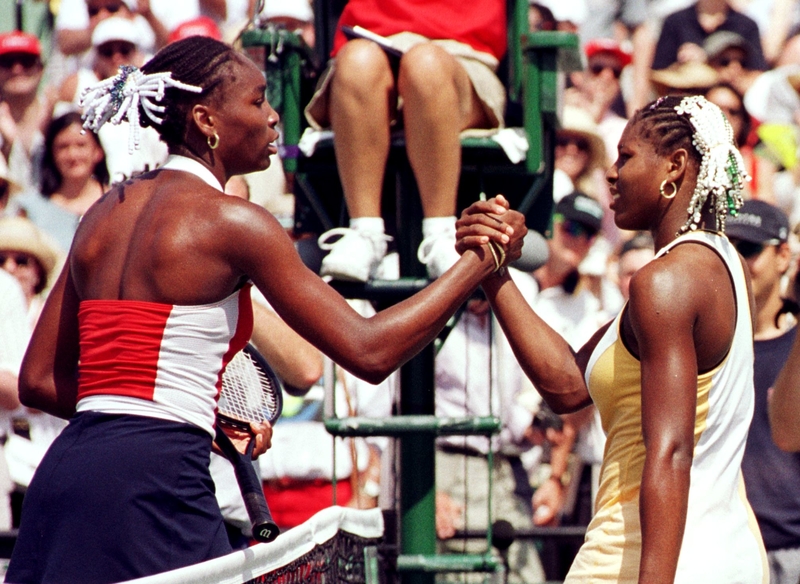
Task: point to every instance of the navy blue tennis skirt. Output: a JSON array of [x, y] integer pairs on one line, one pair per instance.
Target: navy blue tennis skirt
[[118, 497]]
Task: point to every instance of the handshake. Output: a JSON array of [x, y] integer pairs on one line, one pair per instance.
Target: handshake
[[492, 226]]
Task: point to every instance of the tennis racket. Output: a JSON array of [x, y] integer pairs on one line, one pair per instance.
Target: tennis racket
[[251, 392]]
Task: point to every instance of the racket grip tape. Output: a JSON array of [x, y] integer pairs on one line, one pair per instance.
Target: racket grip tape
[[264, 527]]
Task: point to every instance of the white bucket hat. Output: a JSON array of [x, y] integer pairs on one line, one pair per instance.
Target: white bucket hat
[[297, 9]]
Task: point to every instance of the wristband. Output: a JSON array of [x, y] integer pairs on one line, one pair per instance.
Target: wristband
[[498, 254]]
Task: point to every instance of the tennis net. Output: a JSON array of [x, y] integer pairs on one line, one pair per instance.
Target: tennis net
[[333, 546]]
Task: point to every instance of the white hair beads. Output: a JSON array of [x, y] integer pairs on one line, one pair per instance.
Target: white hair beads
[[721, 171], [119, 97]]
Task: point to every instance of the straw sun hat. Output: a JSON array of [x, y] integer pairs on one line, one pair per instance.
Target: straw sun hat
[[578, 122], [21, 235]]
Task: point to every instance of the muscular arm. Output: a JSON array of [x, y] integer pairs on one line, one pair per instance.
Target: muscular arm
[[48, 379], [370, 348], [664, 332], [542, 353], [784, 406]]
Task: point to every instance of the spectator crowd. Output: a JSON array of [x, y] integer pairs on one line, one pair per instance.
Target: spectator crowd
[[742, 55]]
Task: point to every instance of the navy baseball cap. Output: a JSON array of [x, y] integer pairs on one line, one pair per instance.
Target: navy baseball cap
[[758, 222], [581, 208]]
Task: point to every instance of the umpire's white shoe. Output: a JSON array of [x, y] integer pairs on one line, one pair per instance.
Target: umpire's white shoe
[[354, 256]]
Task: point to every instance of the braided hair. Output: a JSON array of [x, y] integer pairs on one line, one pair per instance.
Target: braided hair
[[197, 60], [700, 127], [162, 92]]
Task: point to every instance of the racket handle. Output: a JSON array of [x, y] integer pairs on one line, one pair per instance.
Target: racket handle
[[264, 528]]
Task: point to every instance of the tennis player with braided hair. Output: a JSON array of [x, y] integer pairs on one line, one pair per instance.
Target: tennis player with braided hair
[[672, 375], [154, 301]]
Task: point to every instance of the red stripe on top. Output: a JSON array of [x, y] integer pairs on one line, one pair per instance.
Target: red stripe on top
[[244, 330], [127, 362]]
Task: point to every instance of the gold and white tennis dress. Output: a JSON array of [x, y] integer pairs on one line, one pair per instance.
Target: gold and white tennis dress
[[721, 542]]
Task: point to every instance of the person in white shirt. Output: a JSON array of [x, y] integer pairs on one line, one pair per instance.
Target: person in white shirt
[[14, 335], [477, 375]]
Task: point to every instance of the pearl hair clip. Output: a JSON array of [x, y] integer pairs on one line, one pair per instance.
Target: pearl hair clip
[[721, 170], [118, 98]]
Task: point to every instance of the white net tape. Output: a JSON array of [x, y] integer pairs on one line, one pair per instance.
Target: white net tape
[[286, 554]]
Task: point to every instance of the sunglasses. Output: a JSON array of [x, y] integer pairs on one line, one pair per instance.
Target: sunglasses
[[576, 229], [108, 50], [19, 259], [112, 8], [565, 140], [750, 249], [727, 61], [598, 68], [27, 60]]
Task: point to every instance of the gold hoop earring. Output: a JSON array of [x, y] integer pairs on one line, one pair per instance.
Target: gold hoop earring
[[213, 143], [662, 190]]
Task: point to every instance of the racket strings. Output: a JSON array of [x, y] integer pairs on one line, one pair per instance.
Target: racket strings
[[248, 393]]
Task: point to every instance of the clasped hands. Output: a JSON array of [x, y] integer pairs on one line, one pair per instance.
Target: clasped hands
[[491, 221]]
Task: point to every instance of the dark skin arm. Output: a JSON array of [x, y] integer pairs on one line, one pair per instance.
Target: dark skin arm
[[673, 340], [320, 315], [664, 331], [543, 354], [232, 240], [48, 378]]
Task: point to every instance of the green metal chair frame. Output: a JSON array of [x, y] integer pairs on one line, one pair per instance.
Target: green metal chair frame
[[533, 71]]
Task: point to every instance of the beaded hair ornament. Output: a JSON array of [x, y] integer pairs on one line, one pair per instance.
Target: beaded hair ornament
[[721, 174], [118, 98]]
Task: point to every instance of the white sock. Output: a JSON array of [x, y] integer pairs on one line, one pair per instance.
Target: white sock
[[436, 225], [368, 224]]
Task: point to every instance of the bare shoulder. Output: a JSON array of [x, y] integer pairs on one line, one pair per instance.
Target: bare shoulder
[[680, 279], [242, 225], [685, 294]]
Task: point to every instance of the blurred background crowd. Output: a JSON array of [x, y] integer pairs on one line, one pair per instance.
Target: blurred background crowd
[[743, 55]]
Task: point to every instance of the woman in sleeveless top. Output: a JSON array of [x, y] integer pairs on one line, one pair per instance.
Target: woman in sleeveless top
[[154, 301], [672, 375]]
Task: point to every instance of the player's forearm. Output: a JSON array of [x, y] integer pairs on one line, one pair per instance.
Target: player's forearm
[[48, 394], [393, 336], [663, 501], [544, 355]]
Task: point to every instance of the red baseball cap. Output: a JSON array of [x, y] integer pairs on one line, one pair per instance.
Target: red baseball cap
[[200, 26], [610, 46], [19, 42]]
